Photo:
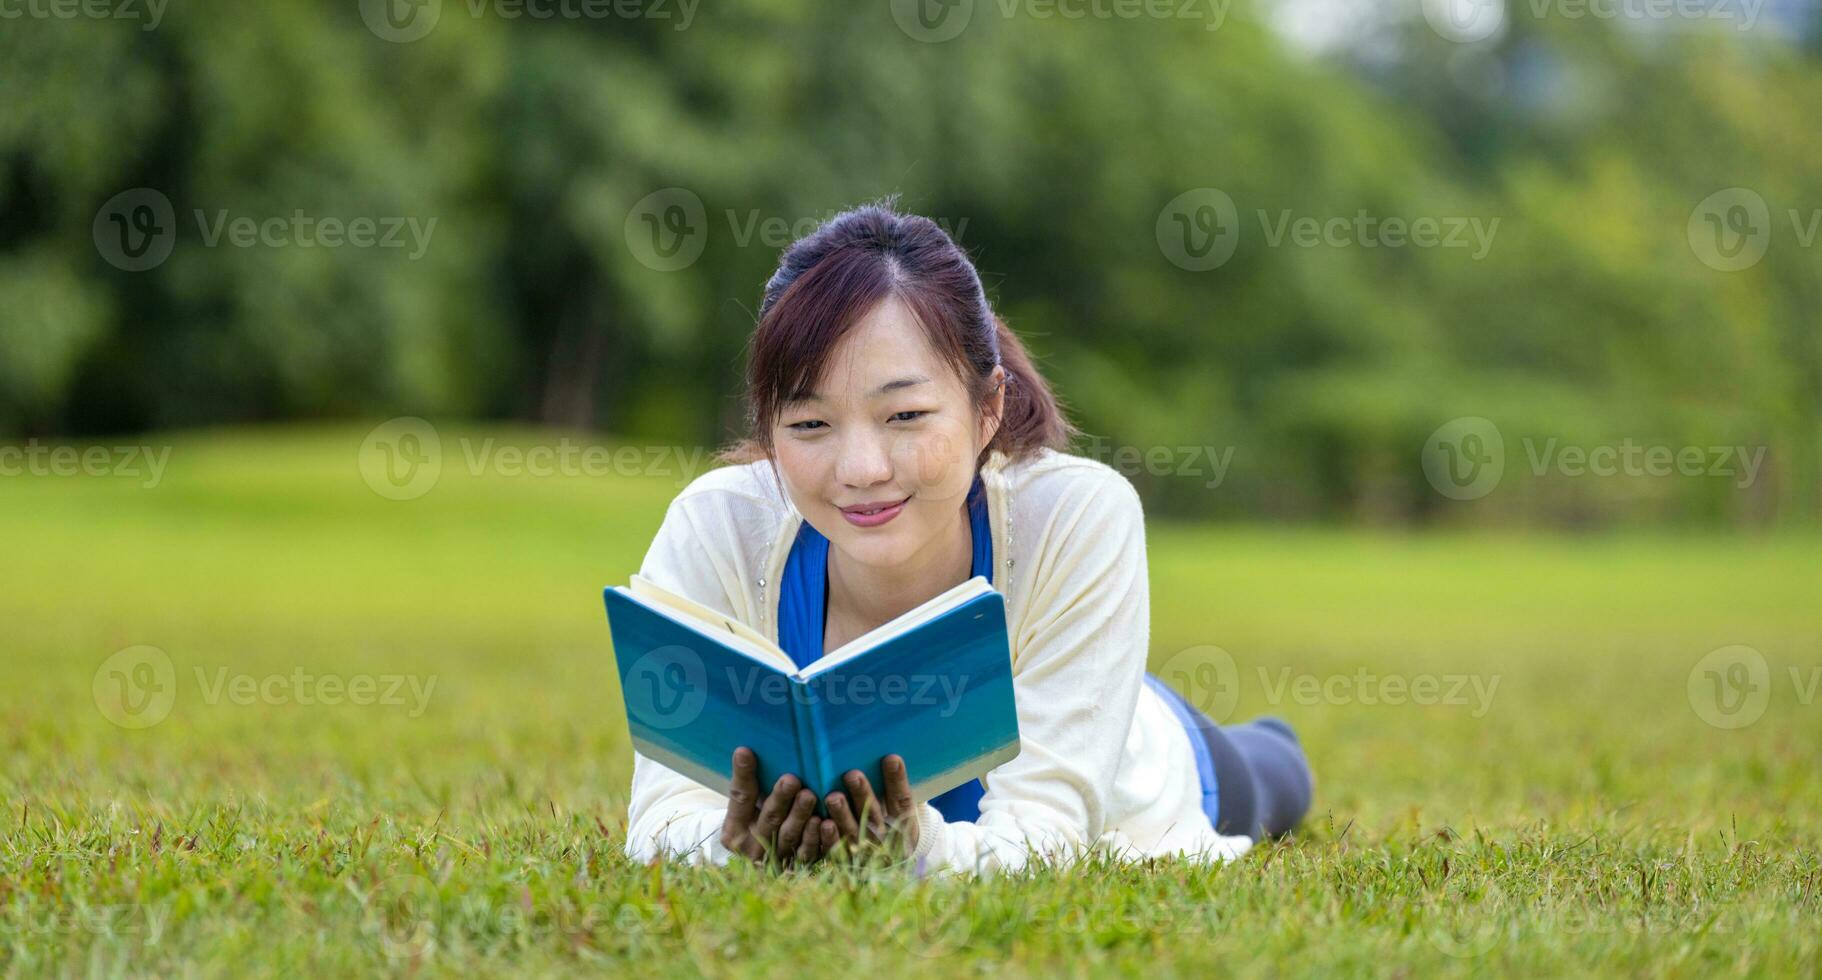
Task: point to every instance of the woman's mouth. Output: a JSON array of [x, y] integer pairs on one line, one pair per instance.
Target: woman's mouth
[[873, 515]]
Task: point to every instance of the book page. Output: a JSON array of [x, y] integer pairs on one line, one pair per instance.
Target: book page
[[903, 624], [730, 630]]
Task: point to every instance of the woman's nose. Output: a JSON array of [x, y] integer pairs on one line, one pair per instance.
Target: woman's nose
[[865, 461]]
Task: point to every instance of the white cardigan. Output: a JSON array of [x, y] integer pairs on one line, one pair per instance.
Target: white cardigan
[[1104, 761]]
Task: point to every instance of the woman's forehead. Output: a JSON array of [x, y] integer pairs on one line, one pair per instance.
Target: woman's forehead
[[884, 353]]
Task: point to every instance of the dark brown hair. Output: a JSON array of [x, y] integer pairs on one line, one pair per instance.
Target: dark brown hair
[[828, 280]]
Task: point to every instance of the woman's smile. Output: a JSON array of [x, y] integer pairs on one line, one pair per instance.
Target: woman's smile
[[873, 515]]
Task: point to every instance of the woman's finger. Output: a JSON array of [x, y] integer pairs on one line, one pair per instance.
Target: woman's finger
[[743, 798], [899, 804], [842, 818], [771, 815], [860, 795], [831, 835], [810, 851], [790, 832], [901, 808]]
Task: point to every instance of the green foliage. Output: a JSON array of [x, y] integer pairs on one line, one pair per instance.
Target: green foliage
[[1049, 144]]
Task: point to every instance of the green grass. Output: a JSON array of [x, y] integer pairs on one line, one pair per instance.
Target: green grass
[[1583, 820]]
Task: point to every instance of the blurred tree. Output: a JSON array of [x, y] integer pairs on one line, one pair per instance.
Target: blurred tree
[[520, 148]]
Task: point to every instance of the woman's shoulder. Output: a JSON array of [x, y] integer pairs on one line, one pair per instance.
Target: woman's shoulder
[[715, 537], [726, 518], [1067, 510], [742, 491], [1049, 479]]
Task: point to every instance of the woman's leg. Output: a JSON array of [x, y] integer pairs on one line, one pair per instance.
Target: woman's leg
[[1262, 775]]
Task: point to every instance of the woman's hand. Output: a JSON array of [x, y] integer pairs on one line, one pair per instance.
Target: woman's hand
[[860, 819], [784, 828]]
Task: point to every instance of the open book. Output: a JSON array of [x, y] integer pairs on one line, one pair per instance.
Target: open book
[[933, 685]]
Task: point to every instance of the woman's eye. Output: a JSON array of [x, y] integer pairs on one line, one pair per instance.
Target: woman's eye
[[915, 414], [805, 426]]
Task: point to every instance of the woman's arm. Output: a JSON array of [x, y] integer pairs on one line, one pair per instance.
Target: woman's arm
[[1077, 682], [673, 816]]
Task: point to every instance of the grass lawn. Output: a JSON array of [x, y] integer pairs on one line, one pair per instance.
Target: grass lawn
[[1523, 767]]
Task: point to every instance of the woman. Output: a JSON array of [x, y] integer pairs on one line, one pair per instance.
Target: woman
[[902, 442]]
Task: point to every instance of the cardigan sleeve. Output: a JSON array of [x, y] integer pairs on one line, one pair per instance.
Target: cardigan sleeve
[[1078, 672], [671, 815]]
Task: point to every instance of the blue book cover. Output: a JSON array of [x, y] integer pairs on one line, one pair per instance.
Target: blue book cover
[[934, 686]]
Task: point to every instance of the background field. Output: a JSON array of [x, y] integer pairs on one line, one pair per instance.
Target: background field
[[1585, 819]]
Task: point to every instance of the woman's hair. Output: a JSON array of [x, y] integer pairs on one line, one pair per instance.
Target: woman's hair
[[828, 280]]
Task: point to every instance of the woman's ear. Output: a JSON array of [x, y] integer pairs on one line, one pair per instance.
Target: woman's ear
[[995, 410]]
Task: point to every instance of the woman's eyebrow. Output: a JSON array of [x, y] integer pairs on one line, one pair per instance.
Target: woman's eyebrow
[[893, 385], [897, 383]]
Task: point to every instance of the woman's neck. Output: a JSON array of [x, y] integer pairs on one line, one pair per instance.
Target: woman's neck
[[870, 596]]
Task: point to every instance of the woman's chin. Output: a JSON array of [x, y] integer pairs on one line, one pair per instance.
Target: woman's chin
[[877, 547]]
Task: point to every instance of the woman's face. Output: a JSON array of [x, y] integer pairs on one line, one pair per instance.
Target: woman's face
[[891, 430]]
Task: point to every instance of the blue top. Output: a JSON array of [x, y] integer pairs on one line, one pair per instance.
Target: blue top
[[803, 606]]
